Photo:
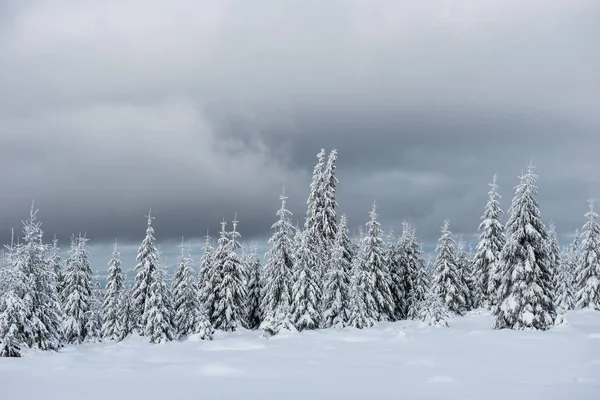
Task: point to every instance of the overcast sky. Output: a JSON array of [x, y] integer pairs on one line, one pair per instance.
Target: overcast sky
[[201, 109]]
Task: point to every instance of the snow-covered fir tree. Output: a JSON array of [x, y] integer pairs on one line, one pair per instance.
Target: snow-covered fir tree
[[398, 276], [487, 252], [329, 202], [207, 276], [336, 287], [57, 266], [565, 298], [416, 280], [375, 262], [434, 312], [42, 325], [448, 280], [588, 272], [276, 288], [306, 290], [463, 262], [77, 293], [230, 308], [158, 327], [13, 309], [94, 321], [215, 275], [362, 304], [112, 328], [526, 291], [147, 263], [253, 282], [186, 301], [554, 258], [126, 313]]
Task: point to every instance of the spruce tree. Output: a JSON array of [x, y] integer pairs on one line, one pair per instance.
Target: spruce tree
[[565, 299], [207, 276], [277, 282], [147, 263], [554, 264], [588, 273], [158, 312], [434, 312], [448, 280], [526, 291], [13, 309], [77, 293], [230, 308], [306, 290], [329, 202], [416, 282], [111, 324], [42, 326], [253, 282], [363, 306], [186, 301], [314, 224], [126, 312], [96, 313], [463, 263], [336, 296], [487, 255], [56, 263], [398, 285]]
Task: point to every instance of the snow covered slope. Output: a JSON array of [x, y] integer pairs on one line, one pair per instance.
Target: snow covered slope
[[402, 360]]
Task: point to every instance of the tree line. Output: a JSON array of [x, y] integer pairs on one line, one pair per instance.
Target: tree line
[[314, 277]]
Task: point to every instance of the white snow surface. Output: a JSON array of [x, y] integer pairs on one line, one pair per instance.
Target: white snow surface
[[401, 360]]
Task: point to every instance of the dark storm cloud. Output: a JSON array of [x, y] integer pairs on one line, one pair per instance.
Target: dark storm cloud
[[201, 109]]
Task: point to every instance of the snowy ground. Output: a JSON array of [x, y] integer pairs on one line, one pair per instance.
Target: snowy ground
[[403, 360]]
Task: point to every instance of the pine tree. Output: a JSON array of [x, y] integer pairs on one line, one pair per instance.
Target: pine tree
[[186, 301], [306, 290], [434, 312], [448, 280], [207, 276], [147, 263], [277, 278], [111, 326], [588, 274], [526, 290], [376, 264], [253, 282], [158, 326], [336, 296], [487, 255], [42, 326], [77, 293], [230, 308]]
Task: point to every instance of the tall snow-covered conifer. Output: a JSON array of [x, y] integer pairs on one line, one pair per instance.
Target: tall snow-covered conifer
[[112, 324], [253, 286], [448, 280], [416, 282], [306, 290], [206, 278], [487, 253], [526, 291], [588, 273], [186, 301], [158, 313]]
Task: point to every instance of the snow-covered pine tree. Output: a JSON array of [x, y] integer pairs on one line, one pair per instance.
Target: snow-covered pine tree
[[158, 307], [126, 314], [336, 296], [42, 326], [13, 309], [230, 309], [111, 329], [416, 279], [253, 282], [329, 202], [396, 265], [56, 263], [277, 279], [216, 273], [464, 268], [207, 276], [95, 314], [448, 281], [565, 299], [376, 264], [487, 253], [527, 287], [306, 290], [434, 312], [147, 263], [362, 305], [588, 273], [77, 293], [186, 301]]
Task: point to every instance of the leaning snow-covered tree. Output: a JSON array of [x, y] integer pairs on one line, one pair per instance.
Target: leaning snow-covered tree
[[306, 290], [159, 318], [230, 308], [186, 301], [336, 296], [111, 324], [588, 273], [448, 280], [77, 292], [276, 288], [147, 262], [487, 252], [526, 289], [253, 282], [42, 326]]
